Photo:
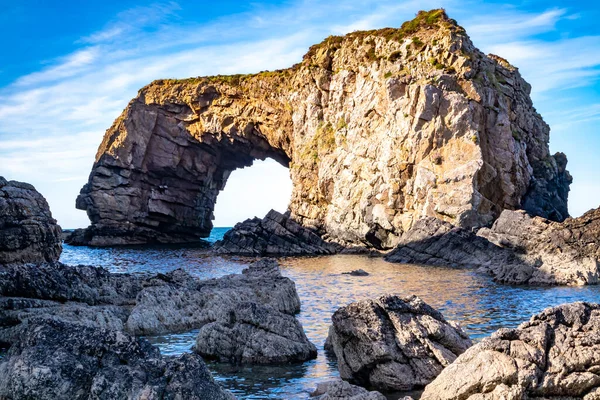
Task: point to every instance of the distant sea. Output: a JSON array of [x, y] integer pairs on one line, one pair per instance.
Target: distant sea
[[217, 234]]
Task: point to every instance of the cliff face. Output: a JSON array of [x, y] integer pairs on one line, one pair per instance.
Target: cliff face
[[378, 129]]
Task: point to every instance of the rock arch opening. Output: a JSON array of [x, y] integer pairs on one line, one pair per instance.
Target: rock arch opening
[[252, 192]]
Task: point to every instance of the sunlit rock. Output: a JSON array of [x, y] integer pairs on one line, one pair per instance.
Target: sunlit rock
[[378, 129]]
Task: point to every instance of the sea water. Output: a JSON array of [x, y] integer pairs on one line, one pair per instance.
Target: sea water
[[480, 305]]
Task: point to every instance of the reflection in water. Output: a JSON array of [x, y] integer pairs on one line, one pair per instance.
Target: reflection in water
[[480, 305]]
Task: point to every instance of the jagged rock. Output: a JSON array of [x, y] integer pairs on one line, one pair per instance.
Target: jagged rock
[[565, 253], [553, 356], [431, 241], [378, 128], [341, 390], [140, 304], [170, 306], [275, 234], [357, 272], [54, 360], [393, 343], [28, 233], [249, 333]]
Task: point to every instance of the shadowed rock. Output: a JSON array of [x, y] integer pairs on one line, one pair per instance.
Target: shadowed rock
[[248, 333], [28, 233], [378, 128], [552, 356], [341, 390], [275, 234], [393, 343], [54, 360]]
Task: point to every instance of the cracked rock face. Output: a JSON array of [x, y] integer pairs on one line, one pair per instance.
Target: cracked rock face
[[553, 356], [274, 235], [248, 333], [342, 390], [55, 360], [378, 129], [393, 343], [28, 233]]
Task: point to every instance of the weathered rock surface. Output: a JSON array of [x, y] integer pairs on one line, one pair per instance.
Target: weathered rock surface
[[28, 233], [378, 128], [249, 333], [553, 356], [565, 253], [183, 303], [393, 343], [341, 390], [139, 304], [275, 234], [54, 360]]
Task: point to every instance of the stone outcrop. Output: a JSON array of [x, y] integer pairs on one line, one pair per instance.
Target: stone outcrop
[[249, 333], [517, 249], [341, 390], [54, 360], [566, 253], [553, 356], [378, 128], [275, 234], [139, 304], [393, 343], [28, 233]]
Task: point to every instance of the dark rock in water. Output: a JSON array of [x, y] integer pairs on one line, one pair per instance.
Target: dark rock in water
[[517, 249], [393, 343], [249, 333], [341, 390], [28, 233], [434, 242], [106, 236], [186, 303], [275, 234], [357, 272], [555, 355], [54, 360], [566, 253]]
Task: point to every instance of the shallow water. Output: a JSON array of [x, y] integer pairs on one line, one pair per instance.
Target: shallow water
[[479, 304]]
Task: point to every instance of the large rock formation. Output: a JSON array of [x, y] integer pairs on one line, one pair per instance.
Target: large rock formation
[[517, 249], [275, 234], [553, 356], [140, 304], [54, 360], [378, 129], [28, 233], [393, 343]]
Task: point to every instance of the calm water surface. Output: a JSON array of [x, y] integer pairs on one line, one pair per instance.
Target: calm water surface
[[480, 305]]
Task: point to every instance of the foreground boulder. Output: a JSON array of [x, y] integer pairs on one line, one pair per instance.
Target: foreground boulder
[[377, 128], [553, 356], [248, 333], [393, 343], [341, 390], [274, 235], [54, 360], [28, 233], [566, 253]]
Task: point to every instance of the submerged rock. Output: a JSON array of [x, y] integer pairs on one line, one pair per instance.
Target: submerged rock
[[249, 333], [378, 128], [28, 233], [54, 360], [566, 253], [341, 390], [275, 234], [357, 272], [393, 343], [552, 356]]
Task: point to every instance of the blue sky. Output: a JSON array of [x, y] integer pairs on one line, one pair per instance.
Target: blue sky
[[68, 68]]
